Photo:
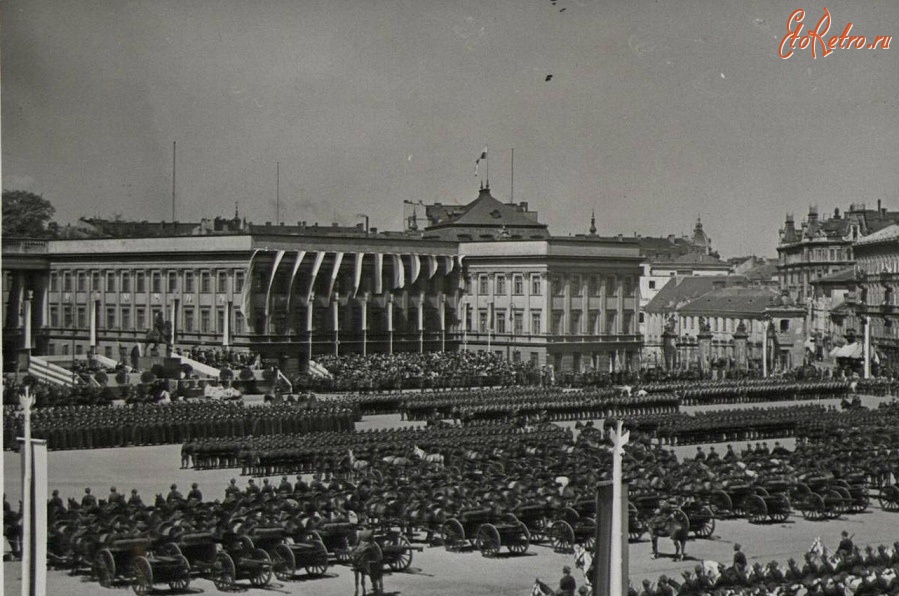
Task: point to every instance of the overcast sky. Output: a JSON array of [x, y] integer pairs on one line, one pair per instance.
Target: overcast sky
[[658, 111]]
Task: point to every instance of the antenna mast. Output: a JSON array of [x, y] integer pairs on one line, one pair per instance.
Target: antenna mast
[[277, 192], [174, 148], [512, 193]]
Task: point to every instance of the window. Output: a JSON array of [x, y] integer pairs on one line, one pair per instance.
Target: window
[[238, 281], [154, 313], [652, 284], [557, 322], [222, 283], [51, 349], [557, 288], [157, 282], [108, 351], [500, 321], [188, 282], [238, 322], [536, 285], [482, 320], [79, 349], [535, 359], [611, 321], [784, 325], [81, 317], [220, 319], [535, 323], [65, 349], [189, 320], [81, 284], [141, 282], [468, 284], [576, 289], [173, 282], [205, 282], [482, 285], [205, 320], [468, 317], [518, 285], [110, 317], [96, 281], [140, 318], [54, 282], [575, 324], [67, 319], [517, 323], [67, 282], [516, 356], [126, 317], [500, 285], [54, 316], [126, 281], [110, 281]]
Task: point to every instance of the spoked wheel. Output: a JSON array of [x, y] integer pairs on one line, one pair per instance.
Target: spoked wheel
[[519, 545], [782, 510], [705, 522], [834, 504], [263, 575], [538, 530], [562, 536], [143, 576], [488, 540], [223, 572], [318, 563], [104, 568], [404, 554], [756, 509], [813, 508], [453, 534], [183, 582], [343, 550], [284, 564]]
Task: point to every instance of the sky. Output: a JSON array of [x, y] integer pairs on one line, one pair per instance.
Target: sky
[[657, 112]]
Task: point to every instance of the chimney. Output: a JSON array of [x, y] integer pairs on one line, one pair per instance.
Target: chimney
[[373, 230], [879, 209]]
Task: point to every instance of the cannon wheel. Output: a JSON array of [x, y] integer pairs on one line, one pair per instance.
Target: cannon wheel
[[562, 536], [520, 544], [104, 568], [183, 580], [453, 534], [720, 503], [343, 550], [634, 525], [319, 566], [706, 527], [170, 549], [223, 572], [756, 509], [889, 498], [143, 576], [813, 507], [538, 530], [782, 511], [284, 564], [834, 504], [263, 576], [488, 540], [403, 558], [590, 537]]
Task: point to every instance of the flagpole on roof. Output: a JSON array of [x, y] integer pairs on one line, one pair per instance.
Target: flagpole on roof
[[512, 190]]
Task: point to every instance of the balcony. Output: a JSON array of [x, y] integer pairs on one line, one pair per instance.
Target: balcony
[[24, 247]]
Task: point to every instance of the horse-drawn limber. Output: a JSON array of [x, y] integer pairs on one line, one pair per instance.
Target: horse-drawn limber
[[130, 560], [396, 551], [461, 530], [575, 525], [770, 507], [818, 499], [337, 537], [535, 517], [507, 531], [730, 501], [204, 556], [288, 554], [854, 490]]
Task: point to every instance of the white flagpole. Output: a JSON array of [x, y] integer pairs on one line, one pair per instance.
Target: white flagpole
[[26, 401]]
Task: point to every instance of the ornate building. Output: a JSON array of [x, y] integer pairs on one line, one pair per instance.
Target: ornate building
[[487, 277]]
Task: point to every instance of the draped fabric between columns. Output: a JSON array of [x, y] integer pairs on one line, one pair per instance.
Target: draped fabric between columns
[[319, 257], [296, 267], [246, 293], [379, 273], [338, 259], [432, 265], [271, 281], [415, 269], [357, 272]]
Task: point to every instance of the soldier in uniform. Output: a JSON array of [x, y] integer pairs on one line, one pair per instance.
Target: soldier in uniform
[[134, 500], [174, 495], [115, 498], [55, 503], [232, 490], [88, 501], [195, 494]]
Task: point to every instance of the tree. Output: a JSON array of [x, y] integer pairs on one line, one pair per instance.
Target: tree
[[25, 213]]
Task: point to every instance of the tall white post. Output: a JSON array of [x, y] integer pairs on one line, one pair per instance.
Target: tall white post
[[867, 321], [174, 320], [616, 581], [93, 333], [421, 323], [226, 330], [441, 307], [765, 350], [26, 401], [310, 305]]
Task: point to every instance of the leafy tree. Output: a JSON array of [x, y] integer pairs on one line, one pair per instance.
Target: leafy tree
[[25, 213]]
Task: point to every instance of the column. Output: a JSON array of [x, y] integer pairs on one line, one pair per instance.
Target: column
[[226, 331], [390, 323], [310, 306], [602, 306], [441, 314], [585, 306], [421, 323], [26, 344], [175, 303], [365, 324], [94, 304], [336, 314], [566, 306], [867, 323]]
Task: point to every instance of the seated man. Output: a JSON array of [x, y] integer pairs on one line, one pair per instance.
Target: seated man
[[567, 585]]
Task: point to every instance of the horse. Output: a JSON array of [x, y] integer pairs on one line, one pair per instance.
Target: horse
[[673, 528], [367, 560], [541, 589], [583, 560], [434, 459]]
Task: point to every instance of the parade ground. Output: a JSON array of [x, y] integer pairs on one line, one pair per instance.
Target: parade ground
[[434, 571]]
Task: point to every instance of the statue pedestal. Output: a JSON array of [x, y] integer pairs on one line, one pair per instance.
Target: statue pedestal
[[171, 366]]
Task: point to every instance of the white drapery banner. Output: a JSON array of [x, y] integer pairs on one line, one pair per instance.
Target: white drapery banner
[[416, 269], [296, 267], [399, 272], [319, 257], [432, 265], [271, 281], [379, 273], [338, 259], [357, 272], [246, 292]]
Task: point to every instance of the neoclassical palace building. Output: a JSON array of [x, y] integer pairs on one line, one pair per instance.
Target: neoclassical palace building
[[487, 276]]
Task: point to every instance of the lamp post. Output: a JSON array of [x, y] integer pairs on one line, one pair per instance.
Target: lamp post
[[26, 401]]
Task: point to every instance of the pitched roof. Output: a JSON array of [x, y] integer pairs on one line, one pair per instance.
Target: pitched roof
[[841, 276], [680, 289], [734, 300], [487, 212], [886, 234]]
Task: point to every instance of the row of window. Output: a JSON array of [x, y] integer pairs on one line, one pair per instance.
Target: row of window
[[513, 322], [121, 318], [122, 281], [594, 285]]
